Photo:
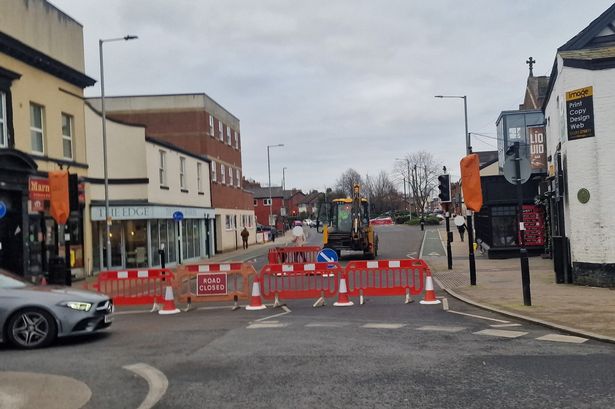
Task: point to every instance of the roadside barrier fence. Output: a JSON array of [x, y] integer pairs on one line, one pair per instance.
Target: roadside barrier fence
[[293, 254], [300, 281], [134, 287]]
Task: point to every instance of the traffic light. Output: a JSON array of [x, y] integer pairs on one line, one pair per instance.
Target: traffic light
[[445, 188]]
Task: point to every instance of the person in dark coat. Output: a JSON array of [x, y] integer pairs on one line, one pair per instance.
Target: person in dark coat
[[244, 237], [462, 230]]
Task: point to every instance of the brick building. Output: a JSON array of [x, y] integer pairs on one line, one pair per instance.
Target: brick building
[[198, 124]]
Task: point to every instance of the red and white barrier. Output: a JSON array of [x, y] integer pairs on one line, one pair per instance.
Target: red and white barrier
[[134, 287]]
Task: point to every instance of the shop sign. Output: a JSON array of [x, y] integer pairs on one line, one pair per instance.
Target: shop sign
[[150, 212], [38, 191], [538, 154], [211, 284], [580, 113], [533, 220]]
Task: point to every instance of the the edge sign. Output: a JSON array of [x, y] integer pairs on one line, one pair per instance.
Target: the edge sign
[[211, 284], [580, 113]]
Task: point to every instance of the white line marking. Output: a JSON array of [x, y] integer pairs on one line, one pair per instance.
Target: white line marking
[[562, 338], [264, 325], [422, 245], [445, 304], [383, 326], [504, 325], [225, 307], [327, 324], [157, 382], [286, 311], [441, 329], [478, 316], [501, 333], [131, 312]]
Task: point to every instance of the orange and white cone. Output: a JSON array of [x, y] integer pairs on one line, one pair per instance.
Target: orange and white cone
[[255, 302], [430, 294], [342, 298], [168, 305]]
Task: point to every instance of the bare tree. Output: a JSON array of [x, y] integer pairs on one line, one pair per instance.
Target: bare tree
[[423, 177], [347, 180], [383, 194]]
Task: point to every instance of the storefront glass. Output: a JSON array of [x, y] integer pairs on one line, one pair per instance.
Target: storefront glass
[[135, 233]]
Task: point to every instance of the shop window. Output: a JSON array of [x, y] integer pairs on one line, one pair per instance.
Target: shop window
[[4, 132], [229, 222], [135, 233], [155, 243], [67, 136], [504, 226], [37, 133]]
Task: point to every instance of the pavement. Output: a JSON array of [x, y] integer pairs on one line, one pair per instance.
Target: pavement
[[581, 310]]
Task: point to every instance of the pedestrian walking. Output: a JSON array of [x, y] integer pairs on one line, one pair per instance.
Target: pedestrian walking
[[244, 237], [462, 230]]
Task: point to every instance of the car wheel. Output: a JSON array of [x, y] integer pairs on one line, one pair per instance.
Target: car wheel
[[31, 328]]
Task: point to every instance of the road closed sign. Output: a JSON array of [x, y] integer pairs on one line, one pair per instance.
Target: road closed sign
[[580, 113], [211, 284]]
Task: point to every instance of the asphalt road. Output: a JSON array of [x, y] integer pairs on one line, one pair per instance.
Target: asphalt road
[[383, 354]]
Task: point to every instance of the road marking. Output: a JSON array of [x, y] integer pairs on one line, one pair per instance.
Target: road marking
[[266, 325], [562, 338], [422, 245], [286, 311], [327, 324], [445, 304], [501, 333], [383, 326], [411, 255], [441, 329], [478, 316], [156, 380], [504, 325]]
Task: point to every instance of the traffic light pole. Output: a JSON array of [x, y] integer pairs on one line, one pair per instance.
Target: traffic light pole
[[449, 253]]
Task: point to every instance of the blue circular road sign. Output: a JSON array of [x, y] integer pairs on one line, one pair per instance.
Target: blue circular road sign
[[2, 209], [326, 255], [178, 216]]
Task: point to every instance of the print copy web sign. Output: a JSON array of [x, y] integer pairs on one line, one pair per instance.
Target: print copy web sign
[[580, 113]]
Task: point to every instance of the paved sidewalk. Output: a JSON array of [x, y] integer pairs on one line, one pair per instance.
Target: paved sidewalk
[[587, 311]]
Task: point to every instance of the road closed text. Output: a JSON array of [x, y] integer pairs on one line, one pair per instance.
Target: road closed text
[[211, 284]]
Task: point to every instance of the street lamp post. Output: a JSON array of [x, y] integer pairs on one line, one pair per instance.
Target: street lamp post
[[284, 178], [269, 172], [104, 135], [469, 223], [408, 180]]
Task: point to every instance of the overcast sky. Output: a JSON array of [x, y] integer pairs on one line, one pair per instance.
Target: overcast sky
[[341, 83]]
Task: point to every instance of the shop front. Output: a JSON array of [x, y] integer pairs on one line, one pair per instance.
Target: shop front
[[139, 232]]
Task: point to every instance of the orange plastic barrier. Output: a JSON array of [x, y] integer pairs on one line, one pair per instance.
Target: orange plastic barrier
[[299, 281], [214, 282], [295, 254], [386, 278], [134, 287]]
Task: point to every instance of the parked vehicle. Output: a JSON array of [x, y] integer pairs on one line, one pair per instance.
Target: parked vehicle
[[381, 221], [33, 316]]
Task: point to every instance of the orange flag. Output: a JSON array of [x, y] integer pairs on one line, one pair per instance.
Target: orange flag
[[58, 189], [470, 182]]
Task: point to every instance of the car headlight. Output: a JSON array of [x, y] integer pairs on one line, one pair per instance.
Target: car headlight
[[79, 306]]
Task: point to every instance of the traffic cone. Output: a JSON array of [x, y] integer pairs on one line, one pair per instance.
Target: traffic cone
[[430, 294], [342, 298], [44, 281], [255, 302], [168, 305]]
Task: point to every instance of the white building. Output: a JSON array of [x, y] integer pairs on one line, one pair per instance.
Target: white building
[[580, 124], [159, 195]]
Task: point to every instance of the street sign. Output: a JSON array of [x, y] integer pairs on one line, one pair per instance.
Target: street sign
[[327, 255], [211, 284], [2, 209], [510, 172], [178, 216]]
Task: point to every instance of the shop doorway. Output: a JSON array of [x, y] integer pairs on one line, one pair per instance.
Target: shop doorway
[[11, 232]]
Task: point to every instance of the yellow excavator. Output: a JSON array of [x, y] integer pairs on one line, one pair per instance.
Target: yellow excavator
[[344, 224]]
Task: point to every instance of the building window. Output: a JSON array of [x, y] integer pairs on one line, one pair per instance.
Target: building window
[[211, 125], [228, 136], [67, 136], [37, 133], [229, 223], [236, 140], [255, 202], [3, 126], [182, 172], [220, 131], [230, 176], [214, 167], [266, 202], [162, 170], [199, 178], [237, 178], [222, 174]]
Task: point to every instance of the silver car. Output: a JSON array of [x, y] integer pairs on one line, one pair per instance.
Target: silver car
[[33, 316]]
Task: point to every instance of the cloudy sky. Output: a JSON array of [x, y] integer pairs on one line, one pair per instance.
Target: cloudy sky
[[342, 83]]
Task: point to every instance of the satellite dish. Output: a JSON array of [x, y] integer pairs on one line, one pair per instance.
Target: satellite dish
[[297, 231], [459, 221]]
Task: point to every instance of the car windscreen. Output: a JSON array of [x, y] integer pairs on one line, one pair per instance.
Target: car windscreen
[[8, 280]]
